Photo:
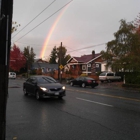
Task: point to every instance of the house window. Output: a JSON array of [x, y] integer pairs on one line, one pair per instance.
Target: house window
[[97, 65], [73, 66], [89, 65], [83, 67]]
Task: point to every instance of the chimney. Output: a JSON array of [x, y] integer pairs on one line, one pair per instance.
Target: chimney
[[93, 54]]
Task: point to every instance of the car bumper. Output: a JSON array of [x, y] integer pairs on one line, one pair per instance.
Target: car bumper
[[52, 94]]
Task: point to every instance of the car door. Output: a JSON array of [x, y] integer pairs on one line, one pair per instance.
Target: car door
[[33, 85], [27, 85], [76, 81], [81, 80]]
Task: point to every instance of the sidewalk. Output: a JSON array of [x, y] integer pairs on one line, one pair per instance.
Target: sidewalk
[[118, 85]]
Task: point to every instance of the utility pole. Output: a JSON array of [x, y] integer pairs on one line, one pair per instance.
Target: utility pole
[[6, 10], [61, 62]]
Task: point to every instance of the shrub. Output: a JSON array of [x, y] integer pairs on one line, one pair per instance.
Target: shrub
[[83, 74], [39, 72]]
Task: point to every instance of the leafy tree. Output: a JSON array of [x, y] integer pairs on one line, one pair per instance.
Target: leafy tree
[[17, 59], [29, 55], [53, 56], [58, 55], [136, 23], [62, 57], [14, 27], [123, 51]]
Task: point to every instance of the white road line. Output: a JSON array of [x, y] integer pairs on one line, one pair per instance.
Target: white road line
[[94, 102]]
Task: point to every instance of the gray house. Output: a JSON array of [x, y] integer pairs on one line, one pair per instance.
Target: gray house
[[45, 66]]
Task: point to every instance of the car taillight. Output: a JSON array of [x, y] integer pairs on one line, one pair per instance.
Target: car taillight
[[89, 81]]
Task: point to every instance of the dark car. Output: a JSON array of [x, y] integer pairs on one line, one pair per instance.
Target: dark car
[[43, 86], [84, 81]]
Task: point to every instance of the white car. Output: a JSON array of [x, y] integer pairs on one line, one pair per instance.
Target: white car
[[12, 75], [109, 77]]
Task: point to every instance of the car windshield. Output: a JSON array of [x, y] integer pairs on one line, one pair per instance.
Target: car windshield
[[45, 80], [102, 74]]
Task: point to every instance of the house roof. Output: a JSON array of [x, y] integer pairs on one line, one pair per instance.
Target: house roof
[[86, 58], [45, 65], [40, 61]]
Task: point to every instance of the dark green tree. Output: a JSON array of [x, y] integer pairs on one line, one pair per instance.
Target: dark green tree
[[53, 56], [122, 53], [29, 55]]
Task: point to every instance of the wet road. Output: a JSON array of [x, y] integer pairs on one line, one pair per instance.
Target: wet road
[[103, 113]]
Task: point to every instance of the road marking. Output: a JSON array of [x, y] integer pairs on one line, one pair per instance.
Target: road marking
[[94, 102], [108, 95]]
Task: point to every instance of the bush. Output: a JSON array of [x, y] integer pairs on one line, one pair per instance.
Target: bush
[[23, 75], [39, 71], [132, 78], [83, 74], [33, 72]]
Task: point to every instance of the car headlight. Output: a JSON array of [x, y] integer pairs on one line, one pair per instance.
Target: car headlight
[[44, 89], [63, 87]]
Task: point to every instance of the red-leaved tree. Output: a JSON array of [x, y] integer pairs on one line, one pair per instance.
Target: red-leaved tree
[[136, 23], [17, 59]]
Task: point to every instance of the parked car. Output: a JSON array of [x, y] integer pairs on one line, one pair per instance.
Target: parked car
[[109, 77], [12, 75], [43, 86], [84, 81], [68, 80]]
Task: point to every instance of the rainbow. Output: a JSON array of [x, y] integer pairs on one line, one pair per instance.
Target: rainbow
[[43, 50]]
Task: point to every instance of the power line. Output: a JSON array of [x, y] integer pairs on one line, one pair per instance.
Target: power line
[[34, 18], [36, 44], [45, 20], [87, 47]]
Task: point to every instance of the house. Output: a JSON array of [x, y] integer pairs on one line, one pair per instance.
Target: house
[[44, 65], [40, 61], [89, 64]]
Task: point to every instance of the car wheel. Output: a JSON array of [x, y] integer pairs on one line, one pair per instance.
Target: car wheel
[[25, 91], [71, 83], [37, 95], [109, 81], [83, 85]]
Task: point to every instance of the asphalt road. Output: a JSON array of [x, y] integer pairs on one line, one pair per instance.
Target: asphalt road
[[103, 113]]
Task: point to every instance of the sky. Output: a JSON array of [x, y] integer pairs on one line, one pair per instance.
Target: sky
[[81, 25]]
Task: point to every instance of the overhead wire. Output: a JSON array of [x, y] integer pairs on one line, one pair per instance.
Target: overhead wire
[[34, 18], [44, 20], [36, 44], [87, 47]]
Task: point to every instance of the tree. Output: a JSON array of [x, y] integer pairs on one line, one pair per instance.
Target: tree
[[53, 56], [14, 27], [29, 55], [122, 53], [136, 23], [59, 54], [17, 59]]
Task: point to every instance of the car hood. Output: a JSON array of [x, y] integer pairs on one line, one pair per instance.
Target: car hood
[[51, 85]]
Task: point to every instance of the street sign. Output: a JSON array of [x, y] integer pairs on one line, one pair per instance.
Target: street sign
[[61, 67]]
